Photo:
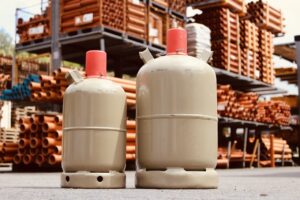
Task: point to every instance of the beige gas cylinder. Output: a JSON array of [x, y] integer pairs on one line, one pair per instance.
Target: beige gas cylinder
[[176, 119], [94, 129]]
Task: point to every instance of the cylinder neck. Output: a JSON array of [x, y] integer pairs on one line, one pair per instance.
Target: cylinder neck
[[177, 41]]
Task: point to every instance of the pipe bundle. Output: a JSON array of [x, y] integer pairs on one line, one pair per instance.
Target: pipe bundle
[[274, 148], [249, 44], [236, 6], [20, 91], [4, 81], [225, 37], [275, 112], [245, 106], [266, 50], [178, 6], [52, 88], [266, 17], [136, 19], [236, 105], [37, 27], [40, 140], [78, 14]]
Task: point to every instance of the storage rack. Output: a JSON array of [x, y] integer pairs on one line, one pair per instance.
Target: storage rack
[[123, 59]]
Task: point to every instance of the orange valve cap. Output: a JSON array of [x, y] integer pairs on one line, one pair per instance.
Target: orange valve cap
[[95, 63], [177, 41]]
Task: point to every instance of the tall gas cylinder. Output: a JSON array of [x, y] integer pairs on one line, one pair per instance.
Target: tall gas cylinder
[[176, 119], [94, 129]]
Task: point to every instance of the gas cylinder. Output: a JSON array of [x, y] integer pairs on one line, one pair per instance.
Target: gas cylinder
[[94, 129], [176, 119]]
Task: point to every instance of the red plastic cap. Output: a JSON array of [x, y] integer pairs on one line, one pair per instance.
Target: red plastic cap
[[95, 63], [177, 41]]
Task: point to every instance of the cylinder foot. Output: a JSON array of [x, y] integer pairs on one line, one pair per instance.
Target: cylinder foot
[[93, 180], [177, 179]]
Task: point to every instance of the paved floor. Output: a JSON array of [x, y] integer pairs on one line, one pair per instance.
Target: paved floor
[[279, 183]]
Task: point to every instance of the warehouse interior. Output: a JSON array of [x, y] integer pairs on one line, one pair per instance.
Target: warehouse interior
[[257, 83]]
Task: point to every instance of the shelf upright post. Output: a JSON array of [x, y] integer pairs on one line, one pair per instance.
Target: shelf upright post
[[245, 146], [258, 153], [228, 153], [258, 132], [55, 44], [14, 67], [297, 41]]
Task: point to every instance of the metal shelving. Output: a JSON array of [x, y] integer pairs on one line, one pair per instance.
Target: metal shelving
[[122, 53], [251, 124], [243, 83]]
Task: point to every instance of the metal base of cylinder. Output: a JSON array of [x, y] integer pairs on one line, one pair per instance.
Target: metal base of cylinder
[[177, 179], [93, 180]]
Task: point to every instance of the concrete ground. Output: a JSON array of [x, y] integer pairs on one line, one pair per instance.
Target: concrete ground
[[265, 183]]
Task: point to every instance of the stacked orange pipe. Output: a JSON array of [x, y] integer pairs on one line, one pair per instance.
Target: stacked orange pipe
[[131, 140], [40, 139], [7, 152], [52, 88]]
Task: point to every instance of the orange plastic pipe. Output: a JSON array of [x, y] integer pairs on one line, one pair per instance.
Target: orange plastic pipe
[[18, 159], [130, 137], [130, 148], [57, 134], [34, 128], [27, 159], [22, 150], [130, 102], [9, 149], [35, 86], [58, 119], [130, 95], [40, 159], [48, 142], [50, 127], [42, 95], [54, 159], [35, 142], [24, 143], [5, 144], [34, 151], [130, 156], [131, 131], [52, 150], [34, 96], [131, 124], [43, 119], [45, 78], [25, 127], [122, 81], [34, 119], [24, 120], [63, 70], [6, 159]]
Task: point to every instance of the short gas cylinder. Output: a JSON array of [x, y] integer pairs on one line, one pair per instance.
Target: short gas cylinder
[[94, 129]]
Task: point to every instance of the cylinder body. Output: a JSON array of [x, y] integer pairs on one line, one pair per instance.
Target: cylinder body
[[176, 114], [94, 126]]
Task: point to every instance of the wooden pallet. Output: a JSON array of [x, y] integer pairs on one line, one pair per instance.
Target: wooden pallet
[[9, 135], [6, 167]]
